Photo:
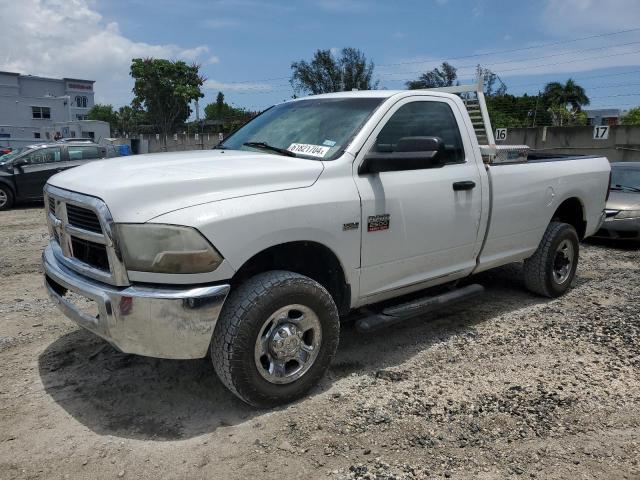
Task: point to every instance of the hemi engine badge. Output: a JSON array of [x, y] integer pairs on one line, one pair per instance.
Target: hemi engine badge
[[350, 226], [378, 222]]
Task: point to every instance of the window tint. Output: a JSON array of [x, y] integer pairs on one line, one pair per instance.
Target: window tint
[[423, 119], [83, 153], [44, 155]]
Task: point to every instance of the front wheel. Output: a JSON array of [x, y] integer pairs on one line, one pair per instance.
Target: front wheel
[[275, 338], [6, 197], [551, 269]]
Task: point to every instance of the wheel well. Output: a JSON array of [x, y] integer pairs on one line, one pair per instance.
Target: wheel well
[[8, 184], [311, 259], [571, 211]]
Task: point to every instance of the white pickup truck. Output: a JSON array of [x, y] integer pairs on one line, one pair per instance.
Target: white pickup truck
[[252, 252]]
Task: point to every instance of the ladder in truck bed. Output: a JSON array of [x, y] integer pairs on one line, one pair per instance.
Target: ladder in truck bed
[[473, 98]]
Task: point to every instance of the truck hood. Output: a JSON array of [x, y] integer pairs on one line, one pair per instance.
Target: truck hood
[[139, 188], [623, 201]]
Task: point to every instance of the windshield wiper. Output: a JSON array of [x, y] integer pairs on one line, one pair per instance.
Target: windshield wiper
[[625, 187], [266, 146]]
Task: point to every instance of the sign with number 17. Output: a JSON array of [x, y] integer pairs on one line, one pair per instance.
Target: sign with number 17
[[601, 132]]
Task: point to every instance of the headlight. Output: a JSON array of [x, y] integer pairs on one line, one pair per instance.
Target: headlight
[[629, 214], [166, 249]]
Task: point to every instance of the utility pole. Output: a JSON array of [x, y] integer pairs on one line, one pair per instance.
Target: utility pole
[[535, 110]]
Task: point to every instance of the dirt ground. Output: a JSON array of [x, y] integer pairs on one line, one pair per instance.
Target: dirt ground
[[506, 386]]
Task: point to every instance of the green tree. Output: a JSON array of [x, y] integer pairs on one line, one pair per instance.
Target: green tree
[[220, 102], [514, 111], [565, 102], [632, 117], [130, 119], [445, 76], [104, 113], [164, 89], [220, 110], [327, 73], [568, 95]]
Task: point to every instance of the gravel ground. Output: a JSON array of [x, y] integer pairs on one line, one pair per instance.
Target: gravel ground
[[505, 386]]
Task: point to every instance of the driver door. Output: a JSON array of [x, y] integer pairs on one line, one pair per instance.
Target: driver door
[[415, 226]]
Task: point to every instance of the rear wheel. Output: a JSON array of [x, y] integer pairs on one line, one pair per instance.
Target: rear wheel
[[552, 268], [275, 338], [6, 197]]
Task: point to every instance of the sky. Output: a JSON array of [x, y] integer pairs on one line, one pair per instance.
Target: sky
[[245, 47]]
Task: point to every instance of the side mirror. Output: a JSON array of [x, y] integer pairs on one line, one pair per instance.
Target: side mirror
[[19, 162], [411, 153]]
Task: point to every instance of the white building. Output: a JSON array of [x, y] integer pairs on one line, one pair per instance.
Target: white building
[[36, 108]]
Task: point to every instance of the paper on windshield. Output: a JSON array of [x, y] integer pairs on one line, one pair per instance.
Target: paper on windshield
[[307, 149]]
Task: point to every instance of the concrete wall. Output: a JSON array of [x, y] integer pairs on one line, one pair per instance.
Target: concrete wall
[[174, 143], [623, 143]]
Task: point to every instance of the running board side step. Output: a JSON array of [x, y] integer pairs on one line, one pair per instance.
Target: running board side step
[[412, 309]]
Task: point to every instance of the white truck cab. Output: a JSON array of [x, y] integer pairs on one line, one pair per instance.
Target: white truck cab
[[316, 208]]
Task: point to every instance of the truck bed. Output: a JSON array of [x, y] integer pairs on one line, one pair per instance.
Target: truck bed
[[524, 196]]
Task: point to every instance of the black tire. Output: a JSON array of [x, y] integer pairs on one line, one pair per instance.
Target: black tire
[[539, 268], [6, 197], [241, 322]]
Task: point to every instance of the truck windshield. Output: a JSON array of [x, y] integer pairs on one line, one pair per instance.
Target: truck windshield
[[315, 128]]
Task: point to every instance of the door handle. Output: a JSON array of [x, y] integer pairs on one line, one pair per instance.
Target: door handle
[[465, 185]]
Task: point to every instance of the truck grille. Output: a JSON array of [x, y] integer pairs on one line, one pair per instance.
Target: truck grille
[[83, 218], [91, 253], [82, 237]]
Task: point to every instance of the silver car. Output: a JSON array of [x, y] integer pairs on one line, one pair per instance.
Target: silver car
[[623, 207]]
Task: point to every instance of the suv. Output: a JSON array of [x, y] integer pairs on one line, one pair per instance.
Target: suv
[[24, 171]]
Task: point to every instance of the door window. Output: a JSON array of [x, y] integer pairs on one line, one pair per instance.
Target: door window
[[83, 153], [423, 119], [43, 155]]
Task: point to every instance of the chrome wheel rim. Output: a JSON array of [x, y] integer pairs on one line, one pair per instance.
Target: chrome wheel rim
[[3, 198], [563, 262], [288, 344]]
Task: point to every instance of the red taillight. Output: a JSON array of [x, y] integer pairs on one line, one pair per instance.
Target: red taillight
[[608, 187]]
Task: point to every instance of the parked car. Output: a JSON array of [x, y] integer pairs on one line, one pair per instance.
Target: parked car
[[24, 171], [623, 206], [313, 210]]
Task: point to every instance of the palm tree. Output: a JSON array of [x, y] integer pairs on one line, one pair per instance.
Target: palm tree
[[560, 97], [570, 93]]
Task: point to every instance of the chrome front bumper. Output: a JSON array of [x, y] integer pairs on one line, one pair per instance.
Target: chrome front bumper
[[152, 321]]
